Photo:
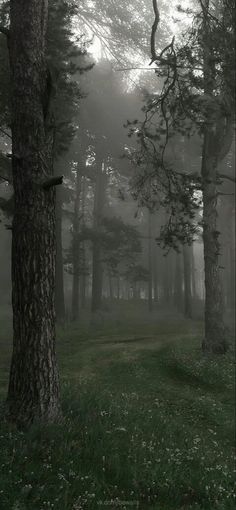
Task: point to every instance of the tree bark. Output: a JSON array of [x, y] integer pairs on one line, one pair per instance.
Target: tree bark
[[193, 278], [33, 393], [76, 248], [213, 143], [99, 199], [215, 331], [59, 287], [83, 278], [150, 262]]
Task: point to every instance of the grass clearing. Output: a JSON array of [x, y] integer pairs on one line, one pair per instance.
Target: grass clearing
[[149, 424]]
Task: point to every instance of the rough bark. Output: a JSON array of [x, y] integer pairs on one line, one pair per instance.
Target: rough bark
[[232, 262], [214, 140], [33, 393], [215, 331]]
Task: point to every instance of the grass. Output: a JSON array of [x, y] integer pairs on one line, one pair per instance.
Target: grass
[[149, 424]]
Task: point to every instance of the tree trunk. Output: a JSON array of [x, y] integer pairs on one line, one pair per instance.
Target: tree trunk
[[150, 264], [33, 393], [178, 283], [83, 278], [187, 282], [99, 198], [59, 286], [155, 274], [193, 278], [111, 293], [232, 261], [215, 330], [118, 287], [76, 249], [166, 280]]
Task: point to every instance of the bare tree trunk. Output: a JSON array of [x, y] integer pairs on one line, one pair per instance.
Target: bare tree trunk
[[33, 393], [76, 248], [187, 282], [155, 274], [193, 278], [99, 199], [111, 293], [118, 287], [166, 280], [59, 288], [232, 261], [83, 279], [150, 262], [178, 283]]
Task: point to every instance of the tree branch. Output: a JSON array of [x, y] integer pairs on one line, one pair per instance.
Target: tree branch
[[5, 133], [5, 31], [5, 179], [227, 177], [53, 181], [5, 169], [227, 138], [153, 33]]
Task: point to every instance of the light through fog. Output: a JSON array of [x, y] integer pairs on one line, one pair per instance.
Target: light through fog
[[117, 254]]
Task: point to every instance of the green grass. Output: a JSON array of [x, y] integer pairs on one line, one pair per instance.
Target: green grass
[[149, 424]]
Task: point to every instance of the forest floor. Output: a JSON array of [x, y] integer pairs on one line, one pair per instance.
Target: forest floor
[[149, 422]]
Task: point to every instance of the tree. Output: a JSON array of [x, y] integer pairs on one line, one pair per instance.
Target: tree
[[66, 58], [197, 97], [33, 392]]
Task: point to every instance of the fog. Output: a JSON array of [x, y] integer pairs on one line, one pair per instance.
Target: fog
[[117, 254], [98, 204]]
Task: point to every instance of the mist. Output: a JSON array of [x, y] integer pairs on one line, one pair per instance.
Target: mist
[[117, 254]]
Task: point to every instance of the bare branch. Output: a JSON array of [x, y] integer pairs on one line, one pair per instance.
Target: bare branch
[[5, 179], [15, 157], [227, 137], [5, 169], [227, 177], [5, 133], [153, 33], [53, 181], [5, 31]]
